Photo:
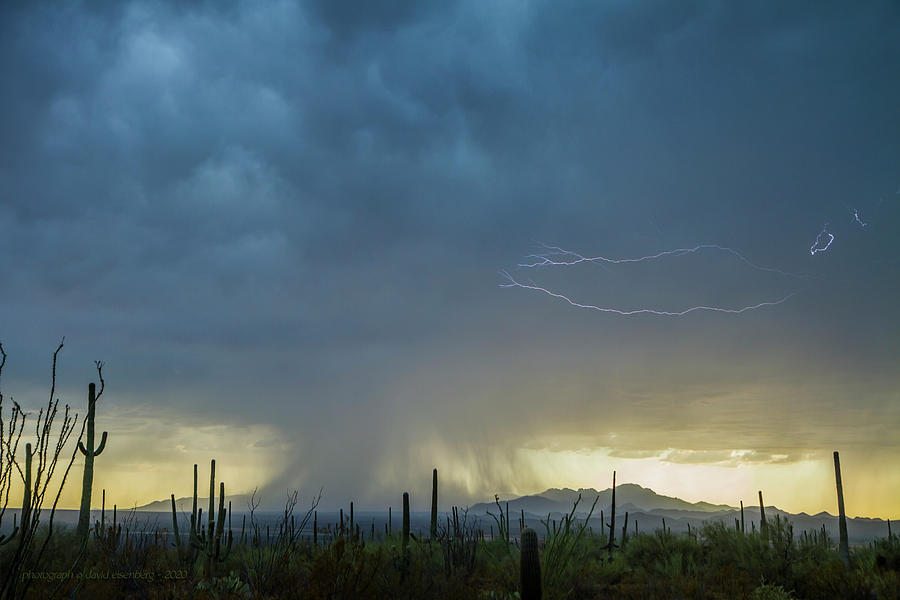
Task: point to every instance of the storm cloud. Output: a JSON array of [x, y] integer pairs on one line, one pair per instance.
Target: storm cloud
[[282, 224]]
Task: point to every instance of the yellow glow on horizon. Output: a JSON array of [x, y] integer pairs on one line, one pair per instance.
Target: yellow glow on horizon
[[806, 486], [150, 458]]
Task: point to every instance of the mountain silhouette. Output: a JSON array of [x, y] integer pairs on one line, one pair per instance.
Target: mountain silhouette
[[555, 500]]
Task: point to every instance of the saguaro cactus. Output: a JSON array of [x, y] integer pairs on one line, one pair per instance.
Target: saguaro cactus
[[405, 520], [844, 547], [90, 453], [763, 526], [25, 519], [195, 523], [210, 541], [612, 519], [530, 566], [212, 507], [175, 526], [434, 501]]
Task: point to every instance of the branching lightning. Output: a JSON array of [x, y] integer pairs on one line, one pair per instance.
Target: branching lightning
[[556, 256], [638, 311], [815, 248], [568, 258]]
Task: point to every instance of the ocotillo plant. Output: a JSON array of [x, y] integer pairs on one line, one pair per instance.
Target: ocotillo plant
[[844, 547], [26, 503], [530, 567], [561, 544], [90, 453], [502, 521], [434, 502], [742, 516], [507, 522], [459, 543]]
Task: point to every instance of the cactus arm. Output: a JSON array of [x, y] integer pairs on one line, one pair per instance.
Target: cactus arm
[[101, 446], [220, 522], [5, 540]]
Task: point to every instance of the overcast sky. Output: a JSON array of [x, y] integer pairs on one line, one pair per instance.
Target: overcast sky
[[282, 226]]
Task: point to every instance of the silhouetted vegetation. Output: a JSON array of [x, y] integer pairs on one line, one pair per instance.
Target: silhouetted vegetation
[[300, 557], [714, 562]]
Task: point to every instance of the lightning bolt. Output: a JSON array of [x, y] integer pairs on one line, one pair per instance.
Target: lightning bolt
[[638, 311], [814, 249], [557, 256], [568, 258], [855, 214]]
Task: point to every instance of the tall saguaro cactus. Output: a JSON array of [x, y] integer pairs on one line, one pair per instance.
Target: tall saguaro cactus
[[90, 453], [210, 545], [612, 519], [175, 527], [25, 517], [844, 547], [763, 526], [530, 566], [434, 501], [405, 538], [210, 540]]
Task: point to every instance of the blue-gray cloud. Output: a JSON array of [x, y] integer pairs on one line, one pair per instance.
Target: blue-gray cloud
[[296, 212]]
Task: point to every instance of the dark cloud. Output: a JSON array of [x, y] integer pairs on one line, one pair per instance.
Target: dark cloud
[[292, 216]]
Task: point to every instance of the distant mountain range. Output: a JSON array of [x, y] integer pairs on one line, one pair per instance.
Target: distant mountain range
[[238, 503], [648, 510], [629, 496]]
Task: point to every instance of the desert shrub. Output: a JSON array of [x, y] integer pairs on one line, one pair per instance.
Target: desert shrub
[[770, 592]]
